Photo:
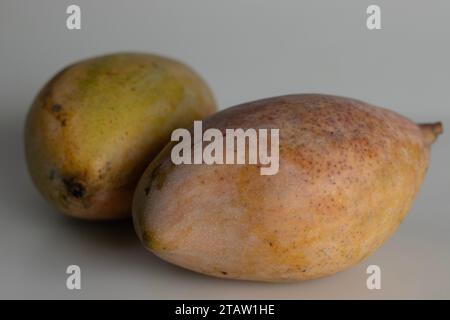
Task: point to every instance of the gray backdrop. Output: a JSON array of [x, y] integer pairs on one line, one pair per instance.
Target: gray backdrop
[[245, 49]]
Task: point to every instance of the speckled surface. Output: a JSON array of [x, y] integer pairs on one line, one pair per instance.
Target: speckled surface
[[348, 174]]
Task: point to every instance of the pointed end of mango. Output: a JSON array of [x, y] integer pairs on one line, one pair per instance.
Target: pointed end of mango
[[431, 131]]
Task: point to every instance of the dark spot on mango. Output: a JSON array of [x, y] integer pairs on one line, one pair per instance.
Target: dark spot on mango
[[157, 177], [56, 108], [146, 238], [57, 111], [74, 188], [52, 175]]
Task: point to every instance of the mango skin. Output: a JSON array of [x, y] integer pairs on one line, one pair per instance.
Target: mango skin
[[94, 128], [348, 174]]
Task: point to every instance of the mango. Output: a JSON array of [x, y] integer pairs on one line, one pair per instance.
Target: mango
[[96, 125], [348, 174]]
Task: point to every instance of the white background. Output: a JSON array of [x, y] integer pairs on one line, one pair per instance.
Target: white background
[[246, 50]]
